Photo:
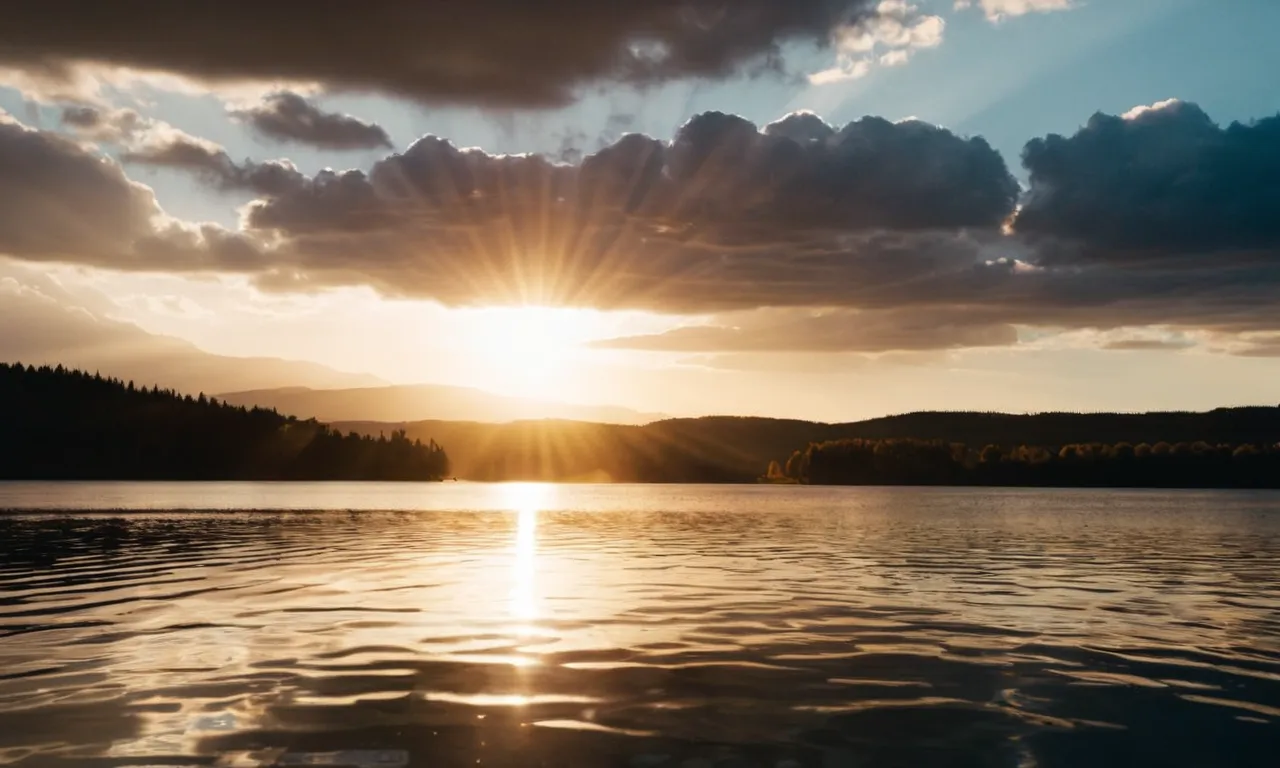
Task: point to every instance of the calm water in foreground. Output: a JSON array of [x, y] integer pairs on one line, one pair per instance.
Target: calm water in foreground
[[525, 625]]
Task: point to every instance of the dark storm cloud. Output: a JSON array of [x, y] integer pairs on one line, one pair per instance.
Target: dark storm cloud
[[491, 52], [722, 217], [1159, 181], [869, 174], [288, 117]]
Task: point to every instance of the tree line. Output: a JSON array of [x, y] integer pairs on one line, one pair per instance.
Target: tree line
[[936, 462], [61, 424]]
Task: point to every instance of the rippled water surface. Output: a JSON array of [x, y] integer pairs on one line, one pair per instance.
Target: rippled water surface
[[529, 625]]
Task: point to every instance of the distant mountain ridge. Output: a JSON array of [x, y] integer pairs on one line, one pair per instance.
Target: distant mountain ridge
[[739, 448], [53, 333], [420, 402], [61, 423]]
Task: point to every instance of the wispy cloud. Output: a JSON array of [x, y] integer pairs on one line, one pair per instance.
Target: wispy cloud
[[1000, 9], [290, 117], [889, 39]]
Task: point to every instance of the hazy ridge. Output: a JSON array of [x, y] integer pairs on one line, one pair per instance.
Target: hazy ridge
[[421, 402], [733, 448]]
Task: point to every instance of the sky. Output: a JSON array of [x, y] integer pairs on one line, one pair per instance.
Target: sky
[[823, 209]]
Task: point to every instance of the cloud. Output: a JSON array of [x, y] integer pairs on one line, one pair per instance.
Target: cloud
[[138, 134], [211, 163], [1143, 345], [289, 117], [1253, 345], [1159, 182], [997, 10], [57, 200], [118, 126], [894, 58], [485, 52], [897, 31], [725, 215], [150, 142], [719, 172], [826, 331], [182, 151], [823, 363], [867, 237], [1259, 350], [60, 202]]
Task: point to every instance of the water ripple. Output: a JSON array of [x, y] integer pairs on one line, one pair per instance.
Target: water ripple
[[620, 626]]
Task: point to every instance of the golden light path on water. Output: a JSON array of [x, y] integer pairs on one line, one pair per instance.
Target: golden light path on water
[[526, 499]]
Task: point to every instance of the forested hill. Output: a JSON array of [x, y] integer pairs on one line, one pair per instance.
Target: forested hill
[[1257, 424], [64, 424], [739, 449], [56, 423]]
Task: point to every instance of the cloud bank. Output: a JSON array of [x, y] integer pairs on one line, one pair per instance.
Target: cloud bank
[[869, 237], [505, 53]]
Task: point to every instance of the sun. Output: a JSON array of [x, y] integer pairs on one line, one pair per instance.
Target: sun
[[526, 350]]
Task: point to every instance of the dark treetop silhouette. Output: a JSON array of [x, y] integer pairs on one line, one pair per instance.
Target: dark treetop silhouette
[[61, 424], [934, 462]]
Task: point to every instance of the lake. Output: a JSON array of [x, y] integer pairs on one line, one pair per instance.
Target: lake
[[459, 624]]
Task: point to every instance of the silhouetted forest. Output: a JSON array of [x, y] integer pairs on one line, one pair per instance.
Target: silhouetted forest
[[61, 424], [1253, 424], [739, 449], [935, 462]]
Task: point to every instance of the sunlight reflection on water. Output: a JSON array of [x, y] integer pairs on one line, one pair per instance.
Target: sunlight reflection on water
[[664, 626], [527, 499]]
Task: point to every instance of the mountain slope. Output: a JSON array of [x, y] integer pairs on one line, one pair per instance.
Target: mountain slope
[[38, 330], [740, 448], [419, 402]]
